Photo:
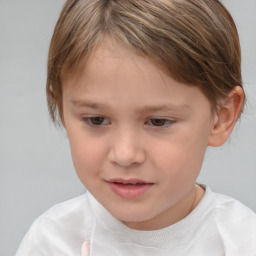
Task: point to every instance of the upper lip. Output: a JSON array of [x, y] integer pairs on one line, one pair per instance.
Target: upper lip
[[128, 181]]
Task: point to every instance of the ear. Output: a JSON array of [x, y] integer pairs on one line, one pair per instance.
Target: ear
[[225, 119]]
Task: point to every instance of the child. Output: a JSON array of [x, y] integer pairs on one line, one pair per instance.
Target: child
[[142, 88]]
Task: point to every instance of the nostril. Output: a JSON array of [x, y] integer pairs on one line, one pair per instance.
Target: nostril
[[125, 150], [126, 159]]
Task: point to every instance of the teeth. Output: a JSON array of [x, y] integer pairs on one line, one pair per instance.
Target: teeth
[[130, 183]]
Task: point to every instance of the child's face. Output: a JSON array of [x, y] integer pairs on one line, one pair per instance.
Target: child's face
[[128, 122]]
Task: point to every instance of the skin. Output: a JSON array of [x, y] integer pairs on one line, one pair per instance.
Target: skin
[[126, 119]]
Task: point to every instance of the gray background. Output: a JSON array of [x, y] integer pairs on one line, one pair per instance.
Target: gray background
[[36, 169]]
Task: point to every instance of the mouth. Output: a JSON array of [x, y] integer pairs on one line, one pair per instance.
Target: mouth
[[130, 188]]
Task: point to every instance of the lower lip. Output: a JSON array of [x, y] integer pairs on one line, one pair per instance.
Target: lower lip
[[129, 191]]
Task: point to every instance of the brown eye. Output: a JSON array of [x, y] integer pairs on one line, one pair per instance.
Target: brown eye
[[159, 122], [96, 121]]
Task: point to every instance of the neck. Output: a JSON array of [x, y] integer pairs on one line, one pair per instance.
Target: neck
[[172, 215]]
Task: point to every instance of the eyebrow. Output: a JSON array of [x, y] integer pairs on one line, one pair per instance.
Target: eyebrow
[[89, 104], [144, 109], [165, 107]]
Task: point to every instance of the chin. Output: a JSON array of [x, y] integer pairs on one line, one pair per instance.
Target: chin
[[132, 215]]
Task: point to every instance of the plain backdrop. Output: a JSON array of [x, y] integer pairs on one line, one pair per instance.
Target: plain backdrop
[[36, 169]]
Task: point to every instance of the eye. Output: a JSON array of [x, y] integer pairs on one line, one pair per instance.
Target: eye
[[159, 122], [96, 121]]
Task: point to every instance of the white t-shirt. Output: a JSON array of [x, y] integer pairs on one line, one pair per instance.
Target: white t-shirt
[[218, 226]]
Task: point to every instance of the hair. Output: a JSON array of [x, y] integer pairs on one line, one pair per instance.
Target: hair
[[194, 41]]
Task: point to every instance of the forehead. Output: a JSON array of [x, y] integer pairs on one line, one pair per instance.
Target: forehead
[[110, 60], [113, 72], [105, 53]]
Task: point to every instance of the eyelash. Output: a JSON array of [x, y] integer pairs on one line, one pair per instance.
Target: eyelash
[[88, 121], [163, 122], [104, 121]]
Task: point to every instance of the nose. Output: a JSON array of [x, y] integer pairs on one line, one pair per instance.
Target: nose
[[126, 150]]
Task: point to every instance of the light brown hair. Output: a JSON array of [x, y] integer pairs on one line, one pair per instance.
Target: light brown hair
[[194, 41]]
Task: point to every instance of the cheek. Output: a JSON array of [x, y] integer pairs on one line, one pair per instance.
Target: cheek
[[87, 155], [181, 159]]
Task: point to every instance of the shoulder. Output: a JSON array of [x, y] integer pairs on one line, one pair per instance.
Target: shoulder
[[236, 224], [231, 209], [60, 230], [77, 206]]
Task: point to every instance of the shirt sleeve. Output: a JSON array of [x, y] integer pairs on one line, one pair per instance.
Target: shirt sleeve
[[60, 231], [36, 241], [47, 237]]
